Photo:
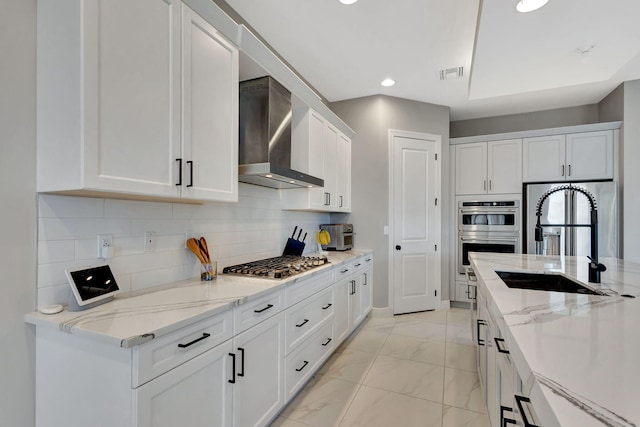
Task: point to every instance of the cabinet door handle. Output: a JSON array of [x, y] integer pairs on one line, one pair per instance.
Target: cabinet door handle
[[484, 185], [503, 420], [241, 373], [562, 171], [203, 337], [569, 173], [327, 306], [340, 201], [303, 323], [327, 199], [500, 350], [478, 323], [263, 309], [470, 294], [233, 368], [190, 163], [179, 172], [520, 400], [327, 342], [304, 365], [489, 185], [365, 279]]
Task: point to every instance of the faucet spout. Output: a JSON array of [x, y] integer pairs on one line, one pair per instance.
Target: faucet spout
[[595, 268]]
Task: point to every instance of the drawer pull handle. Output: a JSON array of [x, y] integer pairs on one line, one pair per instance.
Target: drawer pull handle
[[241, 373], [303, 323], [504, 420], [344, 271], [326, 343], [523, 415], [327, 306], [263, 309], [358, 265], [478, 323], [179, 183], [500, 350], [365, 279], [304, 365], [368, 259], [233, 368], [203, 337]]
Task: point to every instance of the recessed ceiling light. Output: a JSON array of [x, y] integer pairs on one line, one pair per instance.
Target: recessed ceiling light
[[388, 82], [530, 5], [348, 1]]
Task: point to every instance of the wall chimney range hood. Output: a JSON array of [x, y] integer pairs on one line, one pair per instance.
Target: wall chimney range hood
[[265, 137]]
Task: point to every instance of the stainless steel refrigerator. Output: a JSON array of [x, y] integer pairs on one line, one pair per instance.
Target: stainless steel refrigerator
[[572, 207]]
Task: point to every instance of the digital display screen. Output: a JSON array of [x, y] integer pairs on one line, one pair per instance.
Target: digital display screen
[[94, 282]]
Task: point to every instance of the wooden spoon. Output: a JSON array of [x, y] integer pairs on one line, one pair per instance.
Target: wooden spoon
[[205, 248], [195, 248]]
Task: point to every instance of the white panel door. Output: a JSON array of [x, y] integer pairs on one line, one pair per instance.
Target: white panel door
[[471, 168], [543, 158], [317, 158], [416, 223], [343, 174], [504, 159], [590, 155], [132, 96], [330, 167], [210, 111], [196, 393]]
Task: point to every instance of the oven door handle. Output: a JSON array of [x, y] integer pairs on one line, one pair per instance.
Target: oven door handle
[[486, 212], [489, 240]]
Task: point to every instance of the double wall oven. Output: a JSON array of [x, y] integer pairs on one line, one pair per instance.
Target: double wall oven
[[487, 226]]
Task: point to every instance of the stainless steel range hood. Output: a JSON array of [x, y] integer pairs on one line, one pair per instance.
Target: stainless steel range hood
[[265, 137]]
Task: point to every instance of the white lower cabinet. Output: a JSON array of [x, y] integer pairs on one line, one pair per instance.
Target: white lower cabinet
[[195, 394], [258, 391], [237, 368]]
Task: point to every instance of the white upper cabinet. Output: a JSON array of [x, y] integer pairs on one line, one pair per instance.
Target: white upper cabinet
[[321, 150], [589, 155], [571, 157], [493, 167], [126, 93]]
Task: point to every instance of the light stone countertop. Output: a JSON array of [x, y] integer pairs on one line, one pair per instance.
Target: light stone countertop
[[577, 355], [164, 309]]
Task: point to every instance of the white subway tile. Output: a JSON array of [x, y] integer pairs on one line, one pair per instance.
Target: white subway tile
[[141, 262], [81, 228], [58, 294], [53, 273], [123, 281], [51, 206], [55, 251], [160, 276], [137, 209], [160, 226]]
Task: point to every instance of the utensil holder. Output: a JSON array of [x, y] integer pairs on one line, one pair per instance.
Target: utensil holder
[[208, 271]]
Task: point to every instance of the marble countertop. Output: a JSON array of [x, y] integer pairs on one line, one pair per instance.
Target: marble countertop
[[164, 309], [576, 354]]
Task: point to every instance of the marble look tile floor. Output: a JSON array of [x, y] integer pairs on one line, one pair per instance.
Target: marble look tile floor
[[410, 370]]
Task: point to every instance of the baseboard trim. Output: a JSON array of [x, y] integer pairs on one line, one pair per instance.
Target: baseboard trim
[[444, 305], [381, 312]]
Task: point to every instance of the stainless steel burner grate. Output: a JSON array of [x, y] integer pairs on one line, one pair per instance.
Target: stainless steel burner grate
[[278, 267]]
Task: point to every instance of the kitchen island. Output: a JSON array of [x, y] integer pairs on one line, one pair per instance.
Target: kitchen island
[[576, 355]]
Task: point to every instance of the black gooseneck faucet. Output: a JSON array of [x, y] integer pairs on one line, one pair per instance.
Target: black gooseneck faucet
[[595, 268]]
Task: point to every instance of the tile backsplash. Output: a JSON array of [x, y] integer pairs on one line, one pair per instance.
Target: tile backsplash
[[68, 227]]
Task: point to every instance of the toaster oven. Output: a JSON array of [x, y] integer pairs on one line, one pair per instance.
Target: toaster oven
[[341, 237]]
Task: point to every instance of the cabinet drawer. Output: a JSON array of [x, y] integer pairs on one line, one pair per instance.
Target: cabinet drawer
[[307, 287], [344, 270], [464, 292], [305, 318], [302, 363], [165, 353], [358, 264], [254, 312]]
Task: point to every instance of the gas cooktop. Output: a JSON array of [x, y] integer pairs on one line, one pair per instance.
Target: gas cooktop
[[278, 267]]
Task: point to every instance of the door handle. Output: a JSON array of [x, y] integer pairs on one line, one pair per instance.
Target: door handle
[[500, 349], [504, 420], [569, 173], [241, 373], [179, 183], [562, 171], [398, 247], [233, 368], [190, 163], [521, 400], [478, 323]]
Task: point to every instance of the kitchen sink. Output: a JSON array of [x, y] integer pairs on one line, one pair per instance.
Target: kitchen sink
[[544, 282]]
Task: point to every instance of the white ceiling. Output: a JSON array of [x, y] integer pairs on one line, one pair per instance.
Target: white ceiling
[[513, 62]]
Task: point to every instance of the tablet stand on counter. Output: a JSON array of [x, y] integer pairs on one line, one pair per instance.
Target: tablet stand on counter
[[91, 287]]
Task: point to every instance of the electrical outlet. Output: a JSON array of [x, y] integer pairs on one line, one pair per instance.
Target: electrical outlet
[[149, 241], [104, 241]]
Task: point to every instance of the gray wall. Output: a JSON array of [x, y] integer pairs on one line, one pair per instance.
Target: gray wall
[[371, 118], [631, 172], [17, 210], [569, 116]]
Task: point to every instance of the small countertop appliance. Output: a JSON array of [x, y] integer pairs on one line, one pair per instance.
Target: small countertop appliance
[[341, 237]]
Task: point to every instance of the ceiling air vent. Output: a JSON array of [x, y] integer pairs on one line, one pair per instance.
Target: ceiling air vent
[[451, 73]]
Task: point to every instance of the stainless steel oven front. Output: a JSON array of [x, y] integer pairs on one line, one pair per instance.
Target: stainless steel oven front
[[502, 216], [506, 243]]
